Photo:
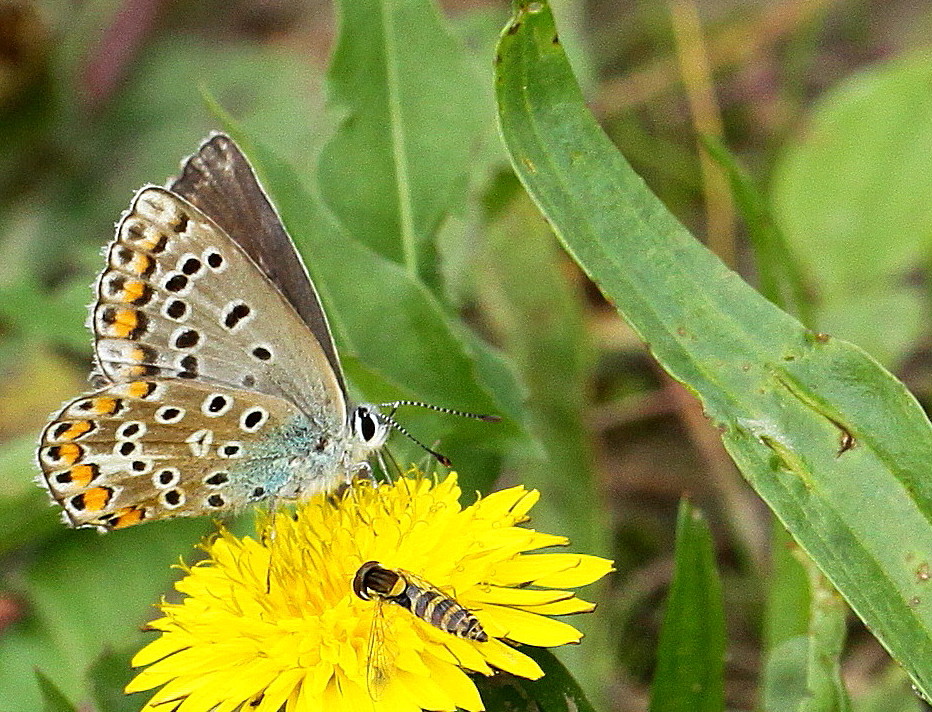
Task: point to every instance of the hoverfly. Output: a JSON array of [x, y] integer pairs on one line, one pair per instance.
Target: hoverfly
[[376, 582]]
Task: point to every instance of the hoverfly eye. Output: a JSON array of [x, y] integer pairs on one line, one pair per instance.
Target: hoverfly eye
[[360, 581]]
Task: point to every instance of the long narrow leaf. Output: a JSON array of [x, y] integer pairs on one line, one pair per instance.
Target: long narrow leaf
[[691, 653], [805, 619], [836, 446]]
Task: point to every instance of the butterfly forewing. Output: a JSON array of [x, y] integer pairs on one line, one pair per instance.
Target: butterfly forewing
[[220, 182], [181, 299], [151, 449]]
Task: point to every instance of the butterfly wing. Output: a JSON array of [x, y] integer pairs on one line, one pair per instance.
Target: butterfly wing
[[219, 180], [194, 310], [152, 449], [179, 298]]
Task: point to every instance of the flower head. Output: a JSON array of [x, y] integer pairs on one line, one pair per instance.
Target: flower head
[[275, 621]]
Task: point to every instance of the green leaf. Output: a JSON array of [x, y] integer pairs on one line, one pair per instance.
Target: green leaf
[[804, 635], [399, 162], [833, 443], [828, 630], [804, 620], [388, 319], [536, 316], [556, 691], [691, 652], [852, 196], [781, 279], [786, 675], [53, 698], [788, 595]]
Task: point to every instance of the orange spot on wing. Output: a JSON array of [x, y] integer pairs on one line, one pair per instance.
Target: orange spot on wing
[[141, 264], [125, 322], [138, 389], [151, 238], [68, 453], [127, 517], [77, 429], [96, 498], [104, 406], [133, 291], [83, 475]]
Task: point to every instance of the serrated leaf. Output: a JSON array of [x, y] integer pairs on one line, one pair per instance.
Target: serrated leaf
[[833, 443]]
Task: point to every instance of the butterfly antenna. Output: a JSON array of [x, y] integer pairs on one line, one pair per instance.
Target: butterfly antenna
[[389, 420], [394, 405]]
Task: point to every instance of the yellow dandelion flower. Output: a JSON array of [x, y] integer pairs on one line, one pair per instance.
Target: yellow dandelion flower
[[275, 620]]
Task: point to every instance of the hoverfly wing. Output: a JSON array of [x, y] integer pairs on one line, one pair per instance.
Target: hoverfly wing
[[382, 652]]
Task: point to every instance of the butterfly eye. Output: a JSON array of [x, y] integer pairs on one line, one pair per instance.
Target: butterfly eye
[[368, 427]]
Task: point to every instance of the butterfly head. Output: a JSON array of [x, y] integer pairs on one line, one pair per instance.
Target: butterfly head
[[371, 427]]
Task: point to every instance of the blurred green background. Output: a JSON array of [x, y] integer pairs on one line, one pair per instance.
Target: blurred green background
[[826, 104]]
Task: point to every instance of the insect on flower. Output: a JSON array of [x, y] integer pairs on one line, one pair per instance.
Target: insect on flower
[[375, 582], [383, 597]]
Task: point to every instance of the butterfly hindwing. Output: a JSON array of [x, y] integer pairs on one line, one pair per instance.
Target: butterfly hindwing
[[151, 449]]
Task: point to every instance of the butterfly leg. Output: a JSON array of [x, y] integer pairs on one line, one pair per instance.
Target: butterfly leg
[[383, 465]]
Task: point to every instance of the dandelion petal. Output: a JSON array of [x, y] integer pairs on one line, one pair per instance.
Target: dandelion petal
[[506, 658], [530, 628], [556, 570]]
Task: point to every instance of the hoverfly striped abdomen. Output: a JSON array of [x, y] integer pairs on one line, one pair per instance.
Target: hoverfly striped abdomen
[[423, 600]]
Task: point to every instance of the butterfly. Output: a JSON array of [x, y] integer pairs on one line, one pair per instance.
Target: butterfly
[[403, 588], [220, 384]]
